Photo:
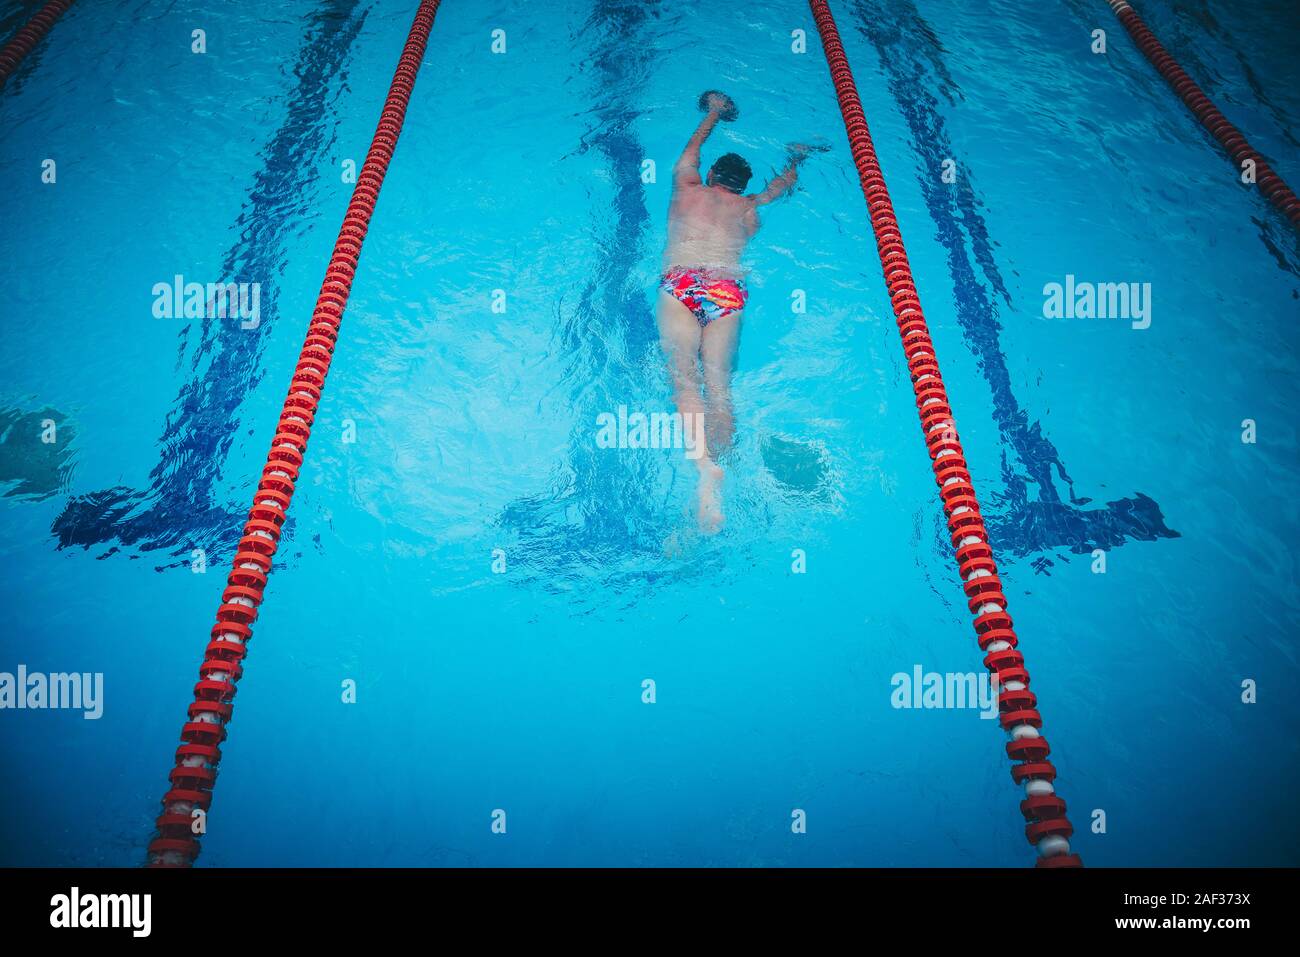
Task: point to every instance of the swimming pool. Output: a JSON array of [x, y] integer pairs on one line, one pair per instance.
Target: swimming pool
[[498, 587]]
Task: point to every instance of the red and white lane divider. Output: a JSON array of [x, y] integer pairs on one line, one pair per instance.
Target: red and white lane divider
[[195, 773], [21, 43], [1272, 185], [1048, 829]]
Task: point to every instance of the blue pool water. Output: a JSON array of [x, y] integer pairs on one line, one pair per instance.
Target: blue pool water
[[475, 432]]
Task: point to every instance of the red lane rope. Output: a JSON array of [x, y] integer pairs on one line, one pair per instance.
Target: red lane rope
[[21, 43], [1048, 829], [1272, 185], [195, 773]]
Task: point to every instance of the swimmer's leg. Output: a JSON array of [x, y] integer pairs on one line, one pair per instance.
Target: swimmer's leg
[[680, 334], [718, 346]]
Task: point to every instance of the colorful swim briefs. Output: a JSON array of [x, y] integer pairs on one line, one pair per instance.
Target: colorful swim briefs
[[707, 297]]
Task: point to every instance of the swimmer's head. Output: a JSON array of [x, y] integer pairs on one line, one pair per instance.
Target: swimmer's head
[[730, 172]]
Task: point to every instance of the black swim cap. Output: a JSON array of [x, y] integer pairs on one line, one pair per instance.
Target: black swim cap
[[731, 171]]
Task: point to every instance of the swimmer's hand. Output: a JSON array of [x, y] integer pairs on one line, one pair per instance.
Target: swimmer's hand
[[720, 103], [799, 152], [715, 101]]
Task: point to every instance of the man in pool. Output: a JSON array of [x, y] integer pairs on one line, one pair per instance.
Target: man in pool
[[702, 294]]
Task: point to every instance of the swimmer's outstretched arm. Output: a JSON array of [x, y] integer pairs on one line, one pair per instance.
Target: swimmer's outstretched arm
[[782, 184], [686, 171], [718, 106]]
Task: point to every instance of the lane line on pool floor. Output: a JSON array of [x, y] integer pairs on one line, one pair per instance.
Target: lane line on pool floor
[[22, 42], [197, 758], [1271, 185], [1048, 829]]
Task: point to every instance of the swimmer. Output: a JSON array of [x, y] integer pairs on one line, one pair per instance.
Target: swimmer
[[702, 293]]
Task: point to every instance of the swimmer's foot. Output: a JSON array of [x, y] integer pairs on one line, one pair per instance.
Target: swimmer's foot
[[708, 508]]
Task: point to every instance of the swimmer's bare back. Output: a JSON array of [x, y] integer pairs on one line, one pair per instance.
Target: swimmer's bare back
[[711, 219]]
